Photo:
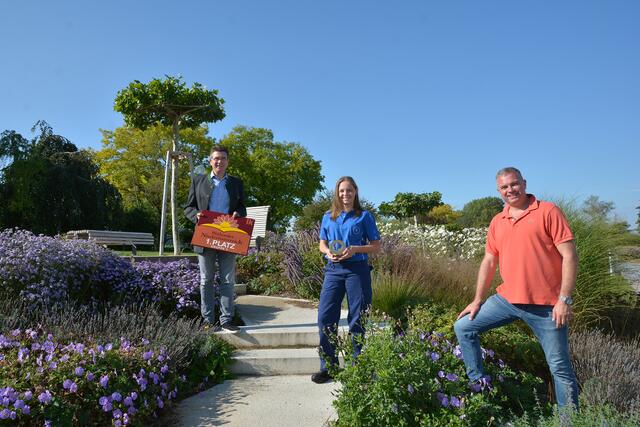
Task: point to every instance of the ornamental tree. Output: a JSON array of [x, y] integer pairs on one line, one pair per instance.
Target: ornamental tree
[[407, 205], [171, 103]]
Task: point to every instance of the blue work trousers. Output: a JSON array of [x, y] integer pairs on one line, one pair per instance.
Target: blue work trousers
[[354, 279], [497, 311]]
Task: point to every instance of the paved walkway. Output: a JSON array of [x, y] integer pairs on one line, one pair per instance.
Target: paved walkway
[[267, 400]]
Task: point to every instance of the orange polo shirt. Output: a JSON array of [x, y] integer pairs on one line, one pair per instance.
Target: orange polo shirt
[[530, 263]]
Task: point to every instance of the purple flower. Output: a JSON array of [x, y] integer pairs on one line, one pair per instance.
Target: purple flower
[[395, 408], [107, 407], [134, 395], [435, 356], [410, 389], [45, 397], [47, 423], [159, 402], [4, 414], [18, 404], [116, 396], [73, 388], [79, 371], [90, 376], [452, 377], [455, 401], [443, 399], [128, 401], [164, 369], [103, 400], [67, 384], [117, 413], [28, 395], [104, 381], [147, 355], [441, 374]]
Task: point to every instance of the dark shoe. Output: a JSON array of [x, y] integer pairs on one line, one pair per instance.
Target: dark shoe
[[229, 327], [321, 377]]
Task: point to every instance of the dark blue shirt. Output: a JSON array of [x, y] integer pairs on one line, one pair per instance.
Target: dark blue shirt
[[351, 229]]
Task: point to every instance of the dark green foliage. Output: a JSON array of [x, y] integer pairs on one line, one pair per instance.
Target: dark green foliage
[[262, 272], [479, 212], [51, 187], [312, 213]]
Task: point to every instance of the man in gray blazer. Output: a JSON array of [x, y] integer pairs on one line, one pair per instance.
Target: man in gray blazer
[[216, 192]]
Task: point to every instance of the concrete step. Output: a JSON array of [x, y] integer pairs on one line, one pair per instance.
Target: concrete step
[[276, 336], [276, 361]]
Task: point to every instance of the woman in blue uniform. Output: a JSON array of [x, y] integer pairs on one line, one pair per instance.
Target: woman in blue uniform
[[347, 235]]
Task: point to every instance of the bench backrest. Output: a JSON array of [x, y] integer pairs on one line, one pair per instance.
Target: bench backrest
[[259, 214], [106, 237]]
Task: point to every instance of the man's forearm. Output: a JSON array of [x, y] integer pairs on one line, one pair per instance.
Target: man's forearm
[[569, 268], [485, 276]]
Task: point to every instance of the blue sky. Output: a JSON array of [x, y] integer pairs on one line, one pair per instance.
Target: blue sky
[[411, 96]]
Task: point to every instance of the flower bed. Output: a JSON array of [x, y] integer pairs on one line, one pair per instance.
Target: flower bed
[[48, 270], [54, 383], [437, 240]]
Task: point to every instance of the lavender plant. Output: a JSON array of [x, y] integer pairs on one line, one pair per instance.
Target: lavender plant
[[303, 264]]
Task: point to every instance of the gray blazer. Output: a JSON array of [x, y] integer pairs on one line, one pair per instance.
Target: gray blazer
[[200, 192]]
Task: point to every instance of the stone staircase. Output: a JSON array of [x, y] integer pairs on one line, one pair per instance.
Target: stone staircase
[[280, 336]]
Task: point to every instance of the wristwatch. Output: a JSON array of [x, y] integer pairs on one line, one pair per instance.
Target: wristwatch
[[566, 300]]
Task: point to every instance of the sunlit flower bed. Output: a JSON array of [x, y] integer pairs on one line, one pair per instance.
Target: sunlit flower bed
[[437, 240], [46, 270], [45, 382]]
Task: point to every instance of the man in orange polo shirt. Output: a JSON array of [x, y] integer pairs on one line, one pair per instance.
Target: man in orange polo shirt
[[533, 245]]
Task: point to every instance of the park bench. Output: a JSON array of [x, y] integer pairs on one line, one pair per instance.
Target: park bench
[[113, 238], [259, 214]]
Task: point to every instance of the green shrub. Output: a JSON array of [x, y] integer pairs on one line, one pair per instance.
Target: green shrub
[[418, 378], [262, 272], [513, 343]]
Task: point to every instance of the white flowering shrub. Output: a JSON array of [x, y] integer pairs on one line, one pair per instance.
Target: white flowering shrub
[[437, 240]]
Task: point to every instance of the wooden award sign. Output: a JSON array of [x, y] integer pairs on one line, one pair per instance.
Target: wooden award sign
[[223, 232]]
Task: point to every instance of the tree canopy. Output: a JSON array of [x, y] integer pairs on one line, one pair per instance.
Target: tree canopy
[[166, 101], [51, 187], [416, 205], [283, 175], [133, 161], [597, 209], [480, 212]]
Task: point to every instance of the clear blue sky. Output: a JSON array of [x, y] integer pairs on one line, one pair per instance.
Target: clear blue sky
[[413, 96]]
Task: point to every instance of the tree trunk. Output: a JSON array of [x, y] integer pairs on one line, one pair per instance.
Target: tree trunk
[[174, 191]]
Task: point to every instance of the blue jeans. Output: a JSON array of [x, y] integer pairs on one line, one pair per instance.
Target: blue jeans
[[497, 311], [227, 270], [354, 279]]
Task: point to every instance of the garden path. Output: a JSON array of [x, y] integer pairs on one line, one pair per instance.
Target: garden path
[[275, 357]]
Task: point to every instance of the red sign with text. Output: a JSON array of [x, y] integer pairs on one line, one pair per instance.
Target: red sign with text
[[223, 232]]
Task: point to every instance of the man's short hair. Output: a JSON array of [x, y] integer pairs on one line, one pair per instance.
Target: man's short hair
[[219, 148], [508, 170]]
